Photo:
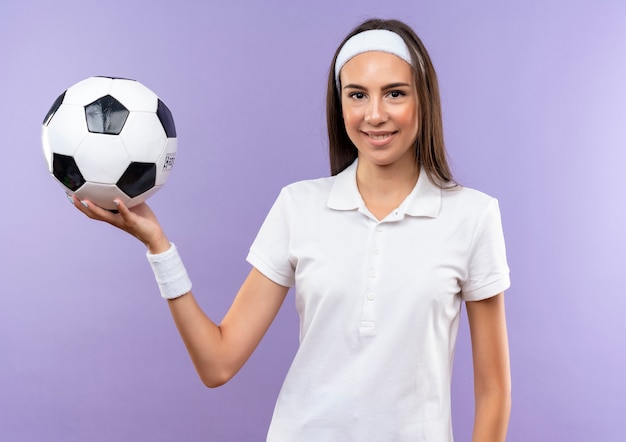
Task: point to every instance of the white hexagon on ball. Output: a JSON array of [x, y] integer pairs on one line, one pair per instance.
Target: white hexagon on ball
[[101, 158], [143, 136], [107, 138]]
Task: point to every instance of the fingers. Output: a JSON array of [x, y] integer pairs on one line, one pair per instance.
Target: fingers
[[138, 221], [93, 211], [124, 211], [128, 220]]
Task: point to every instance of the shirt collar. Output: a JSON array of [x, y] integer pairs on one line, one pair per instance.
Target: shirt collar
[[424, 199]]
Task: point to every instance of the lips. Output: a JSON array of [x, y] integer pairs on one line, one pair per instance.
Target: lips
[[379, 138]]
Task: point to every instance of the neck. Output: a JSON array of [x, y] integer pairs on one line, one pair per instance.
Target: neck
[[383, 188]]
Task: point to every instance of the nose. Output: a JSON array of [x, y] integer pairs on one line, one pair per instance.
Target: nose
[[375, 113]]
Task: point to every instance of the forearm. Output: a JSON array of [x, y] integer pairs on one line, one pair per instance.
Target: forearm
[[492, 372], [491, 420], [201, 336]]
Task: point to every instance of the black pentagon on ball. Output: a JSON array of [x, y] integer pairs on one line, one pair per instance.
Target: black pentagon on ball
[[55, 107], [137, 179], [65, 169], [167, 121], [106, 115]]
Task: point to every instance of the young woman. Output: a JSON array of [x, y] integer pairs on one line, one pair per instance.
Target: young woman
[[381, 254]]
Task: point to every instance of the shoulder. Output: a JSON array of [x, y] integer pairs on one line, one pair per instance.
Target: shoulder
[[467, 202], [466, 195], [306, 189]]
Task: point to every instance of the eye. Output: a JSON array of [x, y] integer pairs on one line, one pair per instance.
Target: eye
[[396, 94], [357, 95]]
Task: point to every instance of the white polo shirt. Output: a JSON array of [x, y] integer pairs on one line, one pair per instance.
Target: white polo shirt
[[379, 305]]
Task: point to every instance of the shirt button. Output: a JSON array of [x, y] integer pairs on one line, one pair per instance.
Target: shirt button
[[372, 274], [376, 251], [379, 229], [371, 296]]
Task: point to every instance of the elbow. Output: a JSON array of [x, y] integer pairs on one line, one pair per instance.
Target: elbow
[[494, 385], [213, 384], [494, 388], [213, 379], [495, 396], [499, 388]]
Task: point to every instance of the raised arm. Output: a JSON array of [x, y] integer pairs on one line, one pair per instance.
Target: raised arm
[[492, 374], [217, 351]]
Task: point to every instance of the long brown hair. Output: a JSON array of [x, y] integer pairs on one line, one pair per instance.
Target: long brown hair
[[430, 150]]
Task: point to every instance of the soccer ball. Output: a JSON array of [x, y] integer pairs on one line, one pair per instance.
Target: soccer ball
[[107, 138]]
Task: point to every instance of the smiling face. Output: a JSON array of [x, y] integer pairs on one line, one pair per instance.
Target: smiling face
[[380, 108]]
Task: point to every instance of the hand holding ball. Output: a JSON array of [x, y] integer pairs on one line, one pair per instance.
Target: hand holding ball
[[107, 138]]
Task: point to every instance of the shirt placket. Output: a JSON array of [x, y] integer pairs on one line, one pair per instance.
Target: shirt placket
[[367, 325]]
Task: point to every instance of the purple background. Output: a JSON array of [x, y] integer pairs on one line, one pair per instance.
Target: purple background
[[534, 97]]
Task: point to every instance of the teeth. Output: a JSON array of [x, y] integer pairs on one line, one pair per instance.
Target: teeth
[[379, 137]]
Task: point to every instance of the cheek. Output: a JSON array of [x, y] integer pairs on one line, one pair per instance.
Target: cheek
[[350, 119], [411, 121]]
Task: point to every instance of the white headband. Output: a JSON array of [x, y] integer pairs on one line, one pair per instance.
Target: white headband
[[380, 40]]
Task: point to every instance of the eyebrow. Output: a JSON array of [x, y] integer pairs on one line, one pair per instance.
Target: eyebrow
[[386, 87]]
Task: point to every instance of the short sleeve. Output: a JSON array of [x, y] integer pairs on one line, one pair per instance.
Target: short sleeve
[[269, 253], [488, 271]]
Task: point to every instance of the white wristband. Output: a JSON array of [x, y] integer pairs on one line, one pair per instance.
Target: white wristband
[[170, 273]]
